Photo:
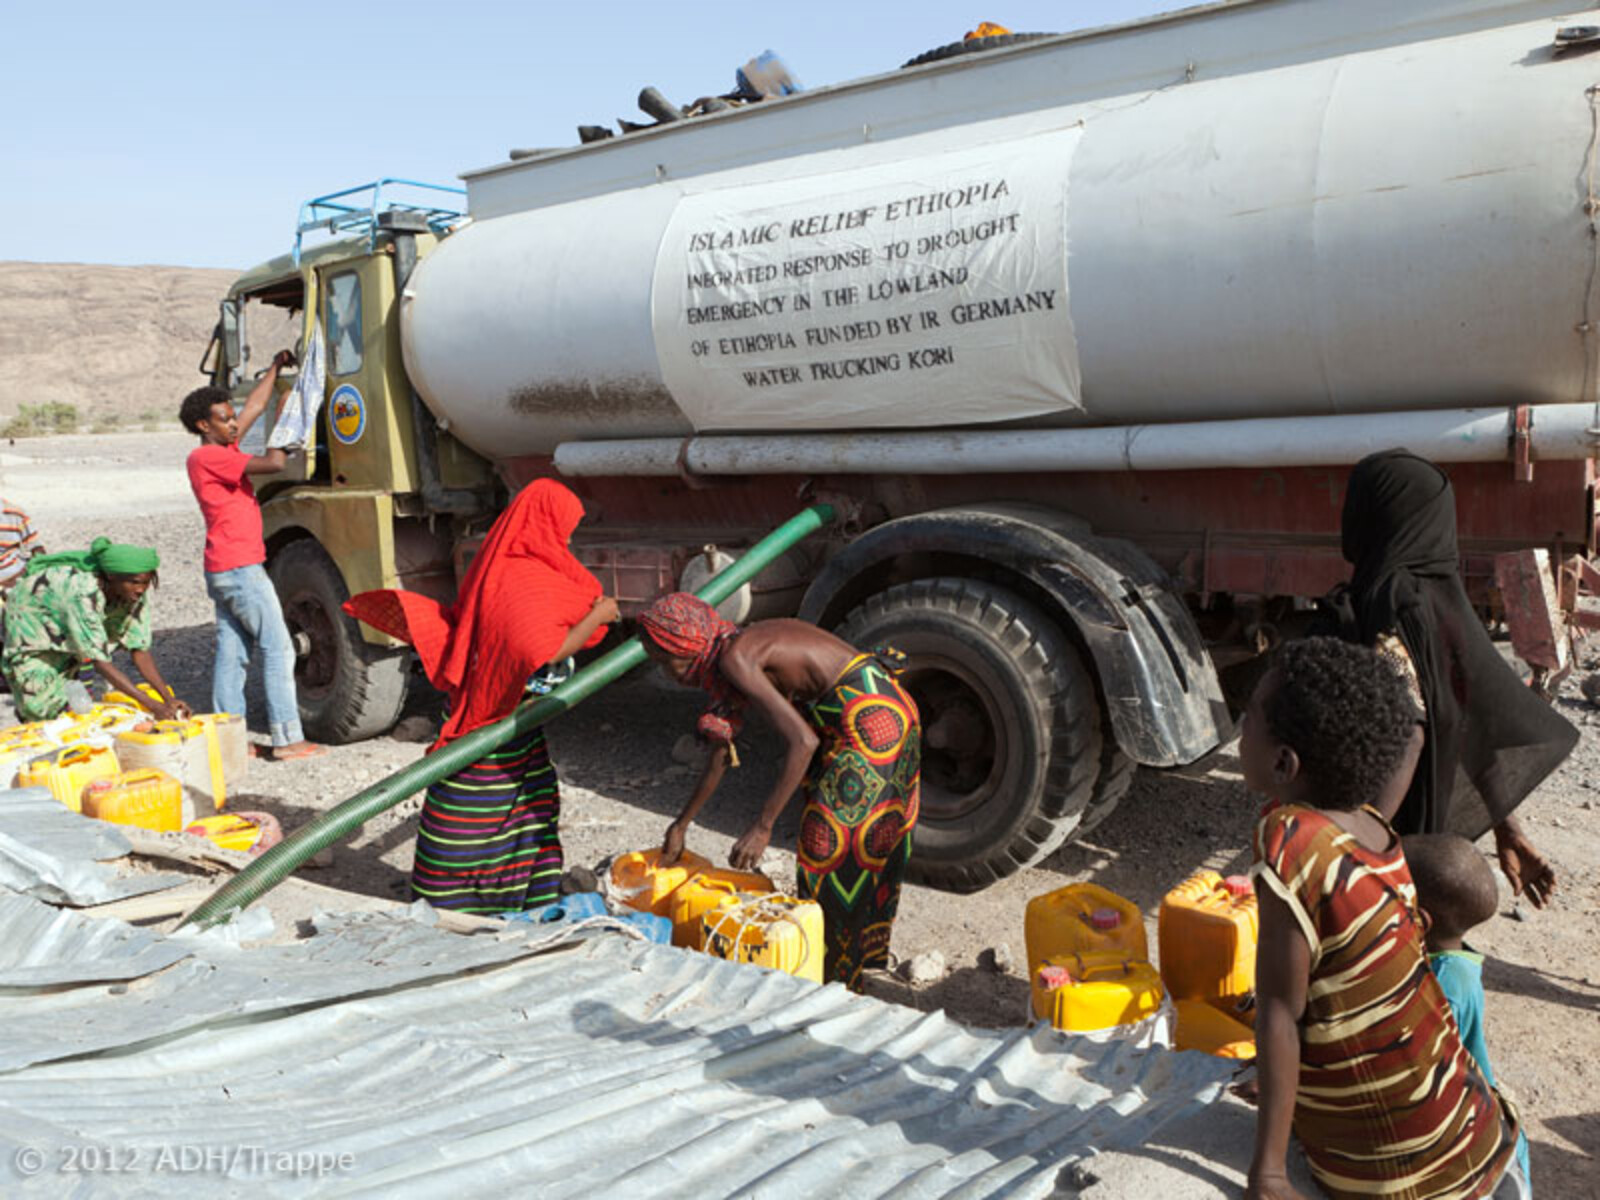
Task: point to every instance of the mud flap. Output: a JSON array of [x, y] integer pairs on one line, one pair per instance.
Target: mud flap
[[1161, 692]]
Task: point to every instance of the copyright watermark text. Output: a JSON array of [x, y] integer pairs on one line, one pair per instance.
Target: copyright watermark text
[[179, 1159]]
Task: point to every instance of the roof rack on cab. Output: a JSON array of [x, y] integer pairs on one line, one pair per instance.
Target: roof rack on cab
[[366, 208]]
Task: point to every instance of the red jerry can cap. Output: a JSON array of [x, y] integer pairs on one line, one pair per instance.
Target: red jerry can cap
[[1053, 976], [1105, 918], [1238, 885]]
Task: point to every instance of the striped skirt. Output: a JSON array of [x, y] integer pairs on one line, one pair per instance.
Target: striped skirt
[[489, 840]]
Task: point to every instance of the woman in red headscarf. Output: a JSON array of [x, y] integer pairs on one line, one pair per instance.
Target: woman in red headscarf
[[489, 840], [857, 751]]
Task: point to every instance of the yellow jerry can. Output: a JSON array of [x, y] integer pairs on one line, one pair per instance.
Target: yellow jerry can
[[187, 750], [147, 798], [1207, 937], [17, 752], [773, 931], [639, 880], [67, 771], [1082, 918], [251, 832], [1081, 993], [1204, 1027], [232, 747], [700, 893], [124, 700]]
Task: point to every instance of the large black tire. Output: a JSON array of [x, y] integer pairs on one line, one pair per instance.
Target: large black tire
[[1011, 726], [1110, 786], [972, 46], [348, 690]]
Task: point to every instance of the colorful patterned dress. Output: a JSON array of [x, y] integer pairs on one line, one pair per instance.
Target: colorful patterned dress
[[489, 840], [1389, 1102], [861, 806]]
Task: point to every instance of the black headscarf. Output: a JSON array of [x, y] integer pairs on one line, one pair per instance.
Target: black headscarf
[[1490, 739]]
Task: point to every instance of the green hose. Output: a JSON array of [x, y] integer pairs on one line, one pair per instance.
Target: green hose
[[273, 867]]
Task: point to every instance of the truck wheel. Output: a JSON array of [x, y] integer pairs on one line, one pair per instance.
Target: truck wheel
[[1110, 786], [1011, 728], [347, 689]]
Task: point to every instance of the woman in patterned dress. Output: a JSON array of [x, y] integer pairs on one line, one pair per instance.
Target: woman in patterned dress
[[70, 612], [854, 743], [489, 838], [1357, 1048]]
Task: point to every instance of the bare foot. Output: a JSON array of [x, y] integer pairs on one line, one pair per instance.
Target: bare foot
[[297, 750]]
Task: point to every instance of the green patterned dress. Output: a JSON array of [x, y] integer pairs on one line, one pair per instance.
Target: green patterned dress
[[860, 808], [57, 620]]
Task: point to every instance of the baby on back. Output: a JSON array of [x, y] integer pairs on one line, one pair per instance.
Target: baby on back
[[1455, 894]]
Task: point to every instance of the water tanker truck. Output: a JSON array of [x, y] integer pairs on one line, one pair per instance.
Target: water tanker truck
[[1081, 332]]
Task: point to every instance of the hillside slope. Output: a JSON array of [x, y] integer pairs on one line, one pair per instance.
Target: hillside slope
[[121, 344]]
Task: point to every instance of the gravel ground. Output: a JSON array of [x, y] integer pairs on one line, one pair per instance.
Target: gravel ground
[[621, 784]]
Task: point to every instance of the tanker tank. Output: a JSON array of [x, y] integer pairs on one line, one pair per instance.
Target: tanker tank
[[1265, 208]]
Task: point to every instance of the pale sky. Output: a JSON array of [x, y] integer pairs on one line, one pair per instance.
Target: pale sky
[[186, 133]]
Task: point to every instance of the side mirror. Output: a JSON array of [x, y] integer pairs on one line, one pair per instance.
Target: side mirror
[[228, 329]]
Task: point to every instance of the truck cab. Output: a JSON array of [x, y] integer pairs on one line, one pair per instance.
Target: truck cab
[[382, 495]]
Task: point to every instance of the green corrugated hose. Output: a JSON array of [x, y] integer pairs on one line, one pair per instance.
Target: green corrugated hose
[[273, 867]]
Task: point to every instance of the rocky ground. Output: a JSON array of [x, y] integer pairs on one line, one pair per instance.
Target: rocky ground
[[621, 784]]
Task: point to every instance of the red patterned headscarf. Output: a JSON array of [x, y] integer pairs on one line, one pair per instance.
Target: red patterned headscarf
[[687, 627]]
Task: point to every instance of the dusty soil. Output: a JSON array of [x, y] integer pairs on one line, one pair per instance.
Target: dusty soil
[[621, 784]]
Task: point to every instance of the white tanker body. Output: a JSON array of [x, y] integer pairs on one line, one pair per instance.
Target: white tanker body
[[1265, 208], [1079, 336]]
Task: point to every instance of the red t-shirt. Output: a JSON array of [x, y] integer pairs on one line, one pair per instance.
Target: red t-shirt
[[228, 503]]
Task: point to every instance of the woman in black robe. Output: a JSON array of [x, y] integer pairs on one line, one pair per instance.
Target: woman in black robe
[[1486, 740]]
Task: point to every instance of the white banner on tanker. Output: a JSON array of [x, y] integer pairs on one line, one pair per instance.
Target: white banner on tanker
[[925, 292]]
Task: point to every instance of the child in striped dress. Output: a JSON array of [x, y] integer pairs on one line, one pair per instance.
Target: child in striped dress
[[19, 542], [1357, 1048]]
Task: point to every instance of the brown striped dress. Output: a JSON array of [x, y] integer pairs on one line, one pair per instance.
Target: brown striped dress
[[1389, 1103]]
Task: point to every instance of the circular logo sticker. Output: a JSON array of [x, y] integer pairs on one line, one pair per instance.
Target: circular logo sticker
[[347, 414]]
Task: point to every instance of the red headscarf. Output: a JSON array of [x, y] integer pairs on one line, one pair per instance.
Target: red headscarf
[[687, 627], [523, 593]]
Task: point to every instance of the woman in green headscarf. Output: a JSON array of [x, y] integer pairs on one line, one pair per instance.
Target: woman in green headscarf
[[75, 609]]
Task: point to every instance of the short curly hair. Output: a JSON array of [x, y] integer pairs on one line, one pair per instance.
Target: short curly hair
[[196, 406], [1345, 712], [1455, 886]]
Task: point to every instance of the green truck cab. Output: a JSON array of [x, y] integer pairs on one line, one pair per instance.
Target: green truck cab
[[383, 495]]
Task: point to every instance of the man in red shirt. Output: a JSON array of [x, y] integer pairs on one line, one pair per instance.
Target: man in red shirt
[[248, 613]]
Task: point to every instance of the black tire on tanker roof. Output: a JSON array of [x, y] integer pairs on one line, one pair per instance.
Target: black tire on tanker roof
[[348, 690], [1006, 778], [972, 46]]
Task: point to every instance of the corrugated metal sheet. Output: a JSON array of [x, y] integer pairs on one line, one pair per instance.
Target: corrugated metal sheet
[[381, 1055], [57, 855], [439, 1063], [44, 948]]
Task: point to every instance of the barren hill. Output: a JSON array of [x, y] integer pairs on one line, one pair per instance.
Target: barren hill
[[121, 344]]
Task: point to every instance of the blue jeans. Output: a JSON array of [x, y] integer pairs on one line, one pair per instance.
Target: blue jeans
[[248, 616]]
